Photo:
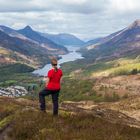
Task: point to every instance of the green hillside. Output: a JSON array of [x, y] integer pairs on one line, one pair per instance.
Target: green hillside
[[122, 66], [14, 73]]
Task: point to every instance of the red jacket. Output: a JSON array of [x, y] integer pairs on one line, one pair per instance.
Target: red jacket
[[54, 82]]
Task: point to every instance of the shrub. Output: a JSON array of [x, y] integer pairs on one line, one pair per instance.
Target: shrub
[[134, 71]]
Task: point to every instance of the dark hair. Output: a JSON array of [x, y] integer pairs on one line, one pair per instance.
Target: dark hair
[[54, 63]]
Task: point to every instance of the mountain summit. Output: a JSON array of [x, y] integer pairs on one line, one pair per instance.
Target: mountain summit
[[28, 28], [135, 24], [43, 41]]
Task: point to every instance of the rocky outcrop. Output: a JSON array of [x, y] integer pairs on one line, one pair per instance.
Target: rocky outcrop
[[13, 91]]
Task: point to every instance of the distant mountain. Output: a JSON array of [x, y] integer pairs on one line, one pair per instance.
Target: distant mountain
[[17, 48], [26, 46], [94, 41], [11, 32], [122, 43], [28, 34], [97, 41], [64, 39], [15, 44], [43, 41]]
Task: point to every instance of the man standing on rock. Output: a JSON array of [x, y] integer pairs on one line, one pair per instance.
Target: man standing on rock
[[53, 85]]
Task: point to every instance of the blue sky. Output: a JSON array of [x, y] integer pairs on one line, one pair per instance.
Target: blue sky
[[86, 19]]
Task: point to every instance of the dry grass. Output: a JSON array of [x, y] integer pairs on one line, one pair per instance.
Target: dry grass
[[28, 123], [31, 125]]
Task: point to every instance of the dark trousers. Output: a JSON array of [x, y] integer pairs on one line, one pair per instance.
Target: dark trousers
[[54, 94]]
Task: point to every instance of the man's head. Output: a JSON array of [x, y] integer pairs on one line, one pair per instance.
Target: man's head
[[54, 62]]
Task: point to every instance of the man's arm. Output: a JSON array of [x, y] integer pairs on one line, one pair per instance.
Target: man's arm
[[47, 80], [61, 80]]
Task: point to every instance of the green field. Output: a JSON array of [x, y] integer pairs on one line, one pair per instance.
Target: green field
[[15, 74]]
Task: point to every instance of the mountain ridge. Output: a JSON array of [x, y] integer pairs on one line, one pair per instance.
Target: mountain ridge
[[43, 41], [122, 43], [64, 39], [20, 47]]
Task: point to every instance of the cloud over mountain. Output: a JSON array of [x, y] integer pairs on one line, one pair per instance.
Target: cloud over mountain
[[84, 18]]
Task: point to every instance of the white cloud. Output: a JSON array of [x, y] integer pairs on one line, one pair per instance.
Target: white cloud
[[79, 2], [85, 18], [72, 6], [125, 5]]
